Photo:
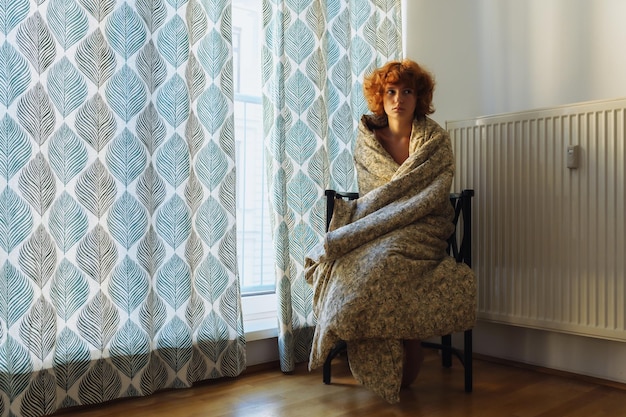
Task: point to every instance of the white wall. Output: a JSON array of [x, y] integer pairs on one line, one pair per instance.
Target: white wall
[[500, 56]]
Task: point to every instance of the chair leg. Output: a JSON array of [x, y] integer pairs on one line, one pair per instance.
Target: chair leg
[[467, 359], [446, 351], [339, 347]]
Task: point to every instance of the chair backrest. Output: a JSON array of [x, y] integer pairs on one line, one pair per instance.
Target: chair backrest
[[462, 203]]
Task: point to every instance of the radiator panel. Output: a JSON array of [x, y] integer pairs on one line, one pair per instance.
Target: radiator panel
[[548, 241]]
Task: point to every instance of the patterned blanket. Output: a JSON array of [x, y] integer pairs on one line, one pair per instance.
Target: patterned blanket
[[382, 274]]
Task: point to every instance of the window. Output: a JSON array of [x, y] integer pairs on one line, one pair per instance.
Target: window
[[255, 250]]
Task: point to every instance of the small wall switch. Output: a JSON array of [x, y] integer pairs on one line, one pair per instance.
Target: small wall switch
[[573, 156]]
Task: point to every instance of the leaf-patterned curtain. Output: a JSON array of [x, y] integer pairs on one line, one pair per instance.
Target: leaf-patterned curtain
[[118, 271], [315, 55]]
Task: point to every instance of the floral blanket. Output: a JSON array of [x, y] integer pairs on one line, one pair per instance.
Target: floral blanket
[[382, 274]]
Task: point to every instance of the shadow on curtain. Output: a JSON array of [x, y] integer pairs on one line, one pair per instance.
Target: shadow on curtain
[[118, 269], [315, 55]]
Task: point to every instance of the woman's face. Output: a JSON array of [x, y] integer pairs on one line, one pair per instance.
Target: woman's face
[[399, 101]]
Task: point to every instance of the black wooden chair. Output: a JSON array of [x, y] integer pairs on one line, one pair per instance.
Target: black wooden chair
[[461, 252]]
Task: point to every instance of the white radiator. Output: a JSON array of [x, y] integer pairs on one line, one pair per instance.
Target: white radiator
[[548, 241]]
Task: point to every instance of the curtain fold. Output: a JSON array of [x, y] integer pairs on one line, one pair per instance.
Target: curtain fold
[[315, 54], [118, 268]]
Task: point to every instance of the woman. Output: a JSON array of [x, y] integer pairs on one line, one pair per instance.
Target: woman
[[397, 94], [382, 279]]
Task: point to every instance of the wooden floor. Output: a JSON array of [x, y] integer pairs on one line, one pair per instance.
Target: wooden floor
[[499, 390]]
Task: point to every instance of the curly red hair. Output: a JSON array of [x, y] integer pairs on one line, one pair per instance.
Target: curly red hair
[[405, 72]]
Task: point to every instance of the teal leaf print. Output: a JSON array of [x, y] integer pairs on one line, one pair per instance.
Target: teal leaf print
[[38, 257], [15, 74], [38, 329], [125, 32], [173, 222], [341, 76], [211, 166], [213, 109], [175, 344], [316, 70], [126, 157], [95, 123], [234, 357], [317, 118], [69, 290], [37, 184], [229, 306], [152, 314], [213, 52], [193, 251], [96, 254], [67, 154], [301, 193], [15, 148], [150, 252], [299, 41], [68, 222], [197, 368], [126, 94], [194, 194], [128, 286], [362, 57], [95, 58], [16, 295], [151, 67], [299, 93], [66, 86], [211, 279], [16, 220], [318, 171], [36, 114], [173, 41], [150, 190], [303, 239], [211, 221], [99, 9], [173, 282], [96, 189], [195, 311], [15, 368], [173, 101], [71, 359], [154, 377], [172, 161], [11, 14], [150, 128], [127, 220], [213, 336], [130, 349], [40, 397], [36, 42], [98, 321], [153, 13], [227, 251], [68, 22], [101, 383], [194, 134], [343, 170], [197, 22], [196, 79], [302, 298], [300, 143]]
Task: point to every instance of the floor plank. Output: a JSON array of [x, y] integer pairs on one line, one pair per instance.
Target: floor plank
[[499, 391]]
